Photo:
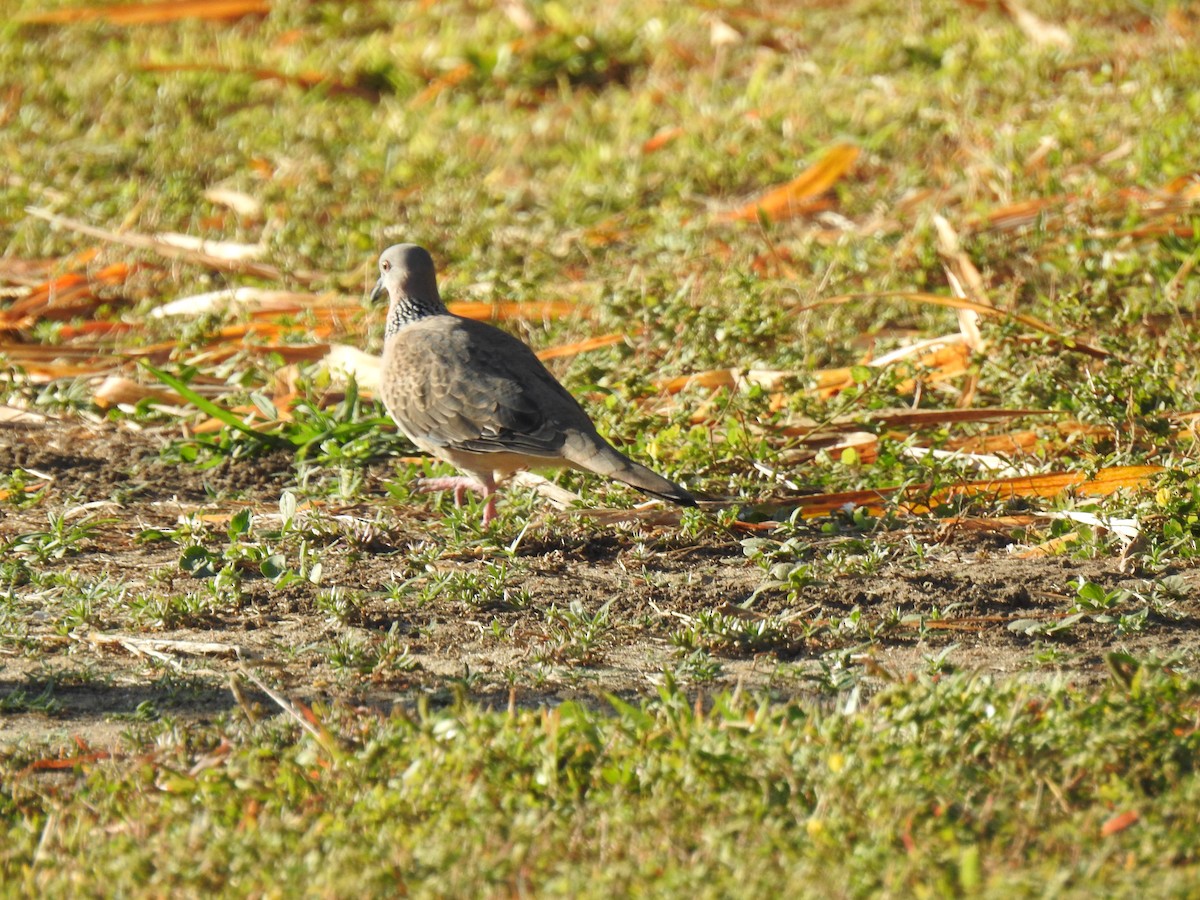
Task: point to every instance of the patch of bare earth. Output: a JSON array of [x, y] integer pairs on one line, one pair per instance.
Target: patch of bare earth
[[105, 674]]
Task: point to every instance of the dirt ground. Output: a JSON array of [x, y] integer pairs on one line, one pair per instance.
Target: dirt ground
[[118, 668]]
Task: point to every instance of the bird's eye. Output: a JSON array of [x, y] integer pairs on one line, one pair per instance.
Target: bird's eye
[[386, 266]]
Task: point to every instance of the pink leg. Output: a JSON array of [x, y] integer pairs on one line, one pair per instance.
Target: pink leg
[[489, 510]]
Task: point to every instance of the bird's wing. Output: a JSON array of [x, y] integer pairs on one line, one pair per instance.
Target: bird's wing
[[465, 385]]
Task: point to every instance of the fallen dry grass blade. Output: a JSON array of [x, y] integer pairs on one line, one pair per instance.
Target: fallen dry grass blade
[[307, 722], [559, 497], [249, 208], [366, 368], [864, 444], [250, 298], [965, 281], [305, 80], [231, 251], [1067, 343], [1040, 32], [195, 648], [151, 13], [930, 418], [1023, 213], [11, 415], [932, 360], [169, 250], [985, 462]]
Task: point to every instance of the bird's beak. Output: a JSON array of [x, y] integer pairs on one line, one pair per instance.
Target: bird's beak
[[379, 292]]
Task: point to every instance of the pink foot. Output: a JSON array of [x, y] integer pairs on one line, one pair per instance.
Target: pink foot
[[458, 483]]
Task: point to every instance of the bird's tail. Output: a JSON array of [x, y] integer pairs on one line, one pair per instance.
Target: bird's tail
[[648, 482], [604, 459]]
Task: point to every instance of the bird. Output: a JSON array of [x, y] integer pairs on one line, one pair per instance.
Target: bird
[[477, 397]]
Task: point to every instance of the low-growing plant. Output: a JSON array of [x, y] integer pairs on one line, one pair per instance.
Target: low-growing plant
[[60, 539], [20, 701], [492, 586], [575, 634]]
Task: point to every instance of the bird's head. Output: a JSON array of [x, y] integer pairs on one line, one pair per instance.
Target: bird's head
[[408, 279], [405, 270]]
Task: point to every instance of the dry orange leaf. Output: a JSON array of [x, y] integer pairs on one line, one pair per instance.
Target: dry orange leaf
[[606, 233], [116, 390], [1184, 230], [96, 329], [1179, 22], [661, 138], [939, 364], [1023, 213], [1010, 442], [939, 359], [61, 294], [714, 378], [991, 523], [50, 352], [549, 309], [1119, 822], [798, 196], [823, 504], [216, 518], [770, 379], [150, 13], [1105, 482], [864, 444], [1187, 186], [592, 343], [1052, 547], [832, 381], [36, 372], [62, 289], [457, 75]]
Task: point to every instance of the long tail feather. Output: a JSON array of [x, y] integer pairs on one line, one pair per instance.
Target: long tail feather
[[602, 458]]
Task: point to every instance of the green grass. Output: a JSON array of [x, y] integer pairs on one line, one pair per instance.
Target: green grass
[[944, 786], [521, 161]]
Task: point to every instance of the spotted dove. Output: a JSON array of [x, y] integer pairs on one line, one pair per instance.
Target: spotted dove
[[478, 398]]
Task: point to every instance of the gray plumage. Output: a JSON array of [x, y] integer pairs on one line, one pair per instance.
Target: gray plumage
[[477, 397]]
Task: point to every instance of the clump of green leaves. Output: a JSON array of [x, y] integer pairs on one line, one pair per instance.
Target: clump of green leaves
[[61, 538]]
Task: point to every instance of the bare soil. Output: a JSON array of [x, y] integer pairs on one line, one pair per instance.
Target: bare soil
[[104, 676]]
